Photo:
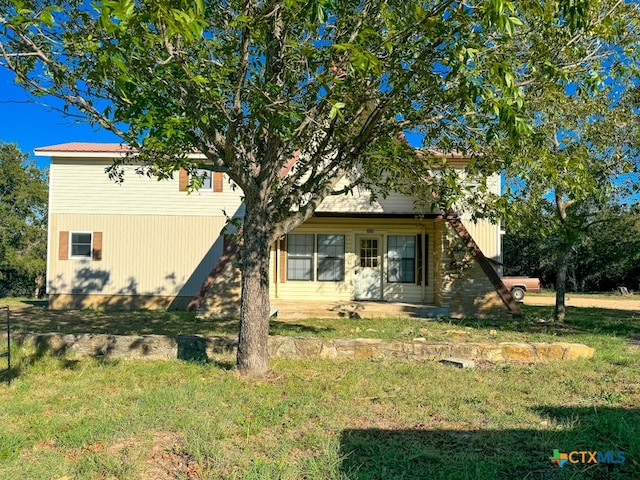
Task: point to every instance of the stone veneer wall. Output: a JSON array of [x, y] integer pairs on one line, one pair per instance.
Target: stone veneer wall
[[438, 260], [223, 298], [465, 289], [194, 347]]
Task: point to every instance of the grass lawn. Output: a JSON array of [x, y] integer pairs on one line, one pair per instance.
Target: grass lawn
[[371, 419]]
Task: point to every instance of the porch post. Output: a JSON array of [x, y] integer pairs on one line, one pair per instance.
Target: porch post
[[424, 262], [276, 280]]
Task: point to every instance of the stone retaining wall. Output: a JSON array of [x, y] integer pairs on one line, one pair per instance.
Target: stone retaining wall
[[194, 347]]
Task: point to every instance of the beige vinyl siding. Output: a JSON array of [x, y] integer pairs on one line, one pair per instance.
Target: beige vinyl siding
[[159, 241], [359, 201], [351, 228], [485, 233], [74, 183], [81, 186], [487, 236], [141, 255]]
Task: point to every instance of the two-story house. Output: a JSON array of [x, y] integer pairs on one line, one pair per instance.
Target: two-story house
[[149, 243]]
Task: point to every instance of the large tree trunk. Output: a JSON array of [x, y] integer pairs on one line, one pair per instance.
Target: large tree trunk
[[562, 265], [253, 356], [562, 260]]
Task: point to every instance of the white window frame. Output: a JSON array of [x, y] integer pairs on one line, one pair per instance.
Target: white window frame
[[340, 258], [399, 261], [316, 257], [80, 257], [207, 176], [301, 257]]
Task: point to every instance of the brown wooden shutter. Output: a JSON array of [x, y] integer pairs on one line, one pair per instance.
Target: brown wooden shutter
[[217, 181], [96, 254], [183, 180], [283, 260], [63, 246]]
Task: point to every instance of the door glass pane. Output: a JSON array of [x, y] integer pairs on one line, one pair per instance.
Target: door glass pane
[[369, 252]]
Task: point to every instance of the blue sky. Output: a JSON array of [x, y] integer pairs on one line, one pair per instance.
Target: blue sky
[[28, 122], [32, 125]]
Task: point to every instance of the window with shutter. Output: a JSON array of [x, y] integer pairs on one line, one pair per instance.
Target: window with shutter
[[211, 181], [80, 245]]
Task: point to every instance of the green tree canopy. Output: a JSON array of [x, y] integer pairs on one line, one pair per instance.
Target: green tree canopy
[[609, 255], [252, 84], [583, 157], [605, 257], [23, 224]]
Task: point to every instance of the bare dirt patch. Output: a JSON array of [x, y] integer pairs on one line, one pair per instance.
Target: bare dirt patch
[[166, 457], [170, 460]]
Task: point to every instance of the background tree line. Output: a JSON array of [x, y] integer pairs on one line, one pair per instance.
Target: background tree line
[[606, 256], [23, 224]]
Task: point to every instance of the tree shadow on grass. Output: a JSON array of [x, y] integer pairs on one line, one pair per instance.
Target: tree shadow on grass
[[498, 454], [291, 329], [37, 303], [623, 323], [138, 322], [41, 348]]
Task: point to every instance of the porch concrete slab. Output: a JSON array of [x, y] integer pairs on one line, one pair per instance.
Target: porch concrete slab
[[291, 310]]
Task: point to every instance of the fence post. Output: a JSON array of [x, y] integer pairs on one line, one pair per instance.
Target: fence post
[[8, 352]]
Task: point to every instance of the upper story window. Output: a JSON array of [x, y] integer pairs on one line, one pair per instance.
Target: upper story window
[[207, 179], [81, 245], [211, 181]]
